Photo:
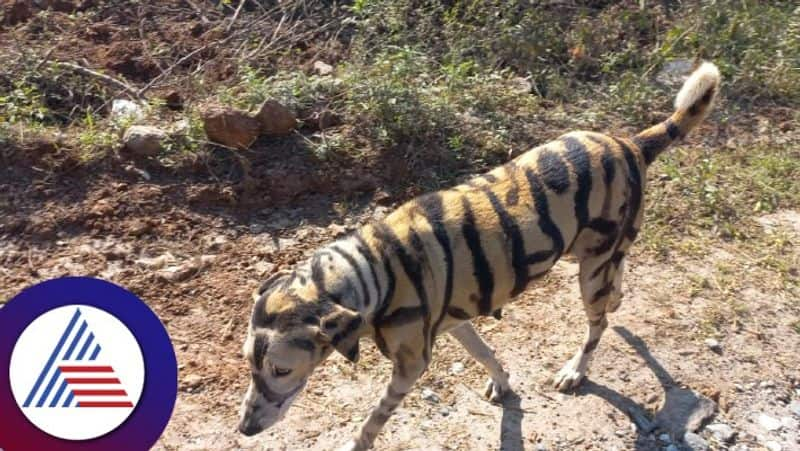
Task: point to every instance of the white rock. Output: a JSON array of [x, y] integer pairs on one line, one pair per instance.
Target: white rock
[[789, 423], [156, 262], [795, 408], [457, 368], [125, 109], [322, 68], [262, 268], [713, 345], [769, 423], [773, 446], [721, 432], [695, 442], [430, 396]]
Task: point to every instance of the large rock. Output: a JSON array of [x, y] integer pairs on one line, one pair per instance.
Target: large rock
[[275, 119], [230, 127], [144, 140], [684, 411]]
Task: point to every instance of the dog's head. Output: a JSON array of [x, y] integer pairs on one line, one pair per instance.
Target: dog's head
[[291, 331]]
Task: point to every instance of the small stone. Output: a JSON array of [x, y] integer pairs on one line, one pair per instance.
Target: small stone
[[695, 442], [665, 438], [713, 345], [671, 448], [457, 368], [773, 446], [789, 423], [337, 230], [620, 433], [322, 68], [125, 109], [430, 396], [144, 140], [444, 412], [263, 268], [275, 119], [722, 432], [767, 384], [769, 423], [540, 447], [230, 127], [795, 408]]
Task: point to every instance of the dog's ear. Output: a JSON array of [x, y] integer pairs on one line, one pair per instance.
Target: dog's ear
[[342, 328], [270, 283]]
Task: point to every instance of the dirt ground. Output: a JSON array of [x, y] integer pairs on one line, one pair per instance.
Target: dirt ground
[[195, 264]]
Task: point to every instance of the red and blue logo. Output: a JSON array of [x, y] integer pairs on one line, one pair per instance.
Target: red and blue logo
[[90, 366]]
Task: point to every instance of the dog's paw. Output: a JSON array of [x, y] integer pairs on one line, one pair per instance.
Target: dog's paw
[[568, 377], [495, 392], [352, 445]]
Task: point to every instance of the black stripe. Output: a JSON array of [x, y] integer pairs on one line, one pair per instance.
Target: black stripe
[[350, 328], [553, 171], [401, 316], [260, 344], [481, 269], [579, 158], [489, 177], [539, 256], [635, 183], [603, 226], [352, 262], [318, 273], [390, 285], [458, 313], [433, 209], [413, 269], [609, 165], [602, 292], [514, 238], [365, 252], [672, 130], [546, 224]]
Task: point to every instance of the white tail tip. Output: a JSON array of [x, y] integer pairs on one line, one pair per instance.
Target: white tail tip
[[704, 77]]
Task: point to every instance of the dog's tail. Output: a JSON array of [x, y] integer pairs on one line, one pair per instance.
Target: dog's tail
[[692, 105]]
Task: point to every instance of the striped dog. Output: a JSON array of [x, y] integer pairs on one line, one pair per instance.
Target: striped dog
[[446, 257]]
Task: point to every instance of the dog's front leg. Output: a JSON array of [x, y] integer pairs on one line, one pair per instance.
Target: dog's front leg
[[405, 373]]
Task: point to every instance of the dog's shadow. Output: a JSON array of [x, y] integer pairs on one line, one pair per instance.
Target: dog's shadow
[[511, 426]]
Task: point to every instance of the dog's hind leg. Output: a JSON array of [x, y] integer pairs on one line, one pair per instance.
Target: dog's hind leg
[[480, 351], [601, 291]]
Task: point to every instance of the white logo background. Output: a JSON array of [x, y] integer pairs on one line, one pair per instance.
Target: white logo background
[[119, 350]]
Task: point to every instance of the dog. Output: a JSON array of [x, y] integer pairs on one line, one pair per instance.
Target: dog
[[446, 257]]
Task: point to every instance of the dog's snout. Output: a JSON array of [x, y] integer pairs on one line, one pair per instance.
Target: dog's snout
[[249, 429]]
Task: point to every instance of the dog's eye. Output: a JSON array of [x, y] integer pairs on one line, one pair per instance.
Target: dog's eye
[[280, 372]]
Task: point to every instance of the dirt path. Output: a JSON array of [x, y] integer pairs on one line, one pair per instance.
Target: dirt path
[[197, 266]]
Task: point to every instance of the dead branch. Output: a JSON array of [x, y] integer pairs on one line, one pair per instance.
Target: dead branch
[[106, 78]]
